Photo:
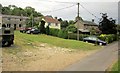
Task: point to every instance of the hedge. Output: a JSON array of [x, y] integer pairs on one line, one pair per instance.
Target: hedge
[[108, 38], [58, 33]]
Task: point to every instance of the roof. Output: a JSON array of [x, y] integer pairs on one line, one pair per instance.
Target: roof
[[50, 19], [89, 23], [82, 30], [13, 16]]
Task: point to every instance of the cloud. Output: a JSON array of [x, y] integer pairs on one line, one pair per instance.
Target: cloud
[[94, 6]]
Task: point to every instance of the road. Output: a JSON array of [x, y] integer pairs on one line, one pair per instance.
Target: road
[[98, 61]]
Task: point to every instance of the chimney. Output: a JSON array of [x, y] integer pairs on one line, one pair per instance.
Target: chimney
[[93, 20], [55, 17]]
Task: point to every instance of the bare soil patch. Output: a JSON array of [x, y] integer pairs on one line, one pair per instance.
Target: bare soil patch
[[42, 58]]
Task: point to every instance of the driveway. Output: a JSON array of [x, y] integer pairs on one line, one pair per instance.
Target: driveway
[[99, 61]]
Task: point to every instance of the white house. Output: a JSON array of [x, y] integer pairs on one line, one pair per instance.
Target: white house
[[52, 22]]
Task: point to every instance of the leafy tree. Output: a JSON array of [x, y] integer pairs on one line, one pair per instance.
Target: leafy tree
[[63, 34], [71, 22], [6, 10], [107, 26], [29, 22], [64, 24], [42, 27], [18, 11], [60, 19], [71, 28], [0, 8], [92, 31], [47, 30]]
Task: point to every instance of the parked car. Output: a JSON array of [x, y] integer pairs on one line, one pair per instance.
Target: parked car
[[33, 31], [95, 40], [24, 30]]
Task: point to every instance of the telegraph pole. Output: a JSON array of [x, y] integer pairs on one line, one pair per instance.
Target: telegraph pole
[[78, 19]]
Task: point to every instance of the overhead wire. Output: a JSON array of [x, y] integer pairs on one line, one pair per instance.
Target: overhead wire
[[89, 11], [74, 3], [58, 9], [60, 2]]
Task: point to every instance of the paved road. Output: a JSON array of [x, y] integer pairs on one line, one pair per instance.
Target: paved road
[[99, 61]]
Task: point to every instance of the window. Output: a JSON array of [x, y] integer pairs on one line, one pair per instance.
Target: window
[[3, 25], [14, 26], [8, 18], [20, 19], [56, 24], [8, 25], [49, 24], [20, 25]]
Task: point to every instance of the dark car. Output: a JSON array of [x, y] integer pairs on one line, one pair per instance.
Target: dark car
[[33, 31], [95, 40]]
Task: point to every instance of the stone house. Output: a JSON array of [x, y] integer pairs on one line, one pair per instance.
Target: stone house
[[13, 21], [86, 26], [20, 21]]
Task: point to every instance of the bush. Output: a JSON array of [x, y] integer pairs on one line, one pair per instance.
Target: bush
[[54, 32], [63, 34], [47, 30], [108, 38], [58, 33]]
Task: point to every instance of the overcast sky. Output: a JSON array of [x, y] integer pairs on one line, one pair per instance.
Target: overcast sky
[[94, 6]]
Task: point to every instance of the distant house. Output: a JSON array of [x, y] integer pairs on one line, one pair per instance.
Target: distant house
[[86, 26], [52, 22]]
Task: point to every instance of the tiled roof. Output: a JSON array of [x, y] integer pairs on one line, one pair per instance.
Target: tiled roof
[[89, 23], [50, 20], [13, 16]]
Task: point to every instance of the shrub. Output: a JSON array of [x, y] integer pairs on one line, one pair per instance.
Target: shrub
[[47, 30], [54, 32], [63, 34], [108, 38], [71, 28]]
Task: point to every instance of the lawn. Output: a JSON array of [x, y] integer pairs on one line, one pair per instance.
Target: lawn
[[54, 41], [115, 66], [28, 54]]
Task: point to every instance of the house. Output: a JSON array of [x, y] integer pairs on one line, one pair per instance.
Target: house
[[13, 21], [51, 22], [85, 26]]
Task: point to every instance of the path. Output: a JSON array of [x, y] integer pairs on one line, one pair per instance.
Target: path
[[99, 61]]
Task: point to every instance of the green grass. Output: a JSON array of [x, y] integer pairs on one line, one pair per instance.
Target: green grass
[[115, 66], [59, 42]]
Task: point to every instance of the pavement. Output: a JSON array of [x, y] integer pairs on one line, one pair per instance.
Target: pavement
[[98, 61]]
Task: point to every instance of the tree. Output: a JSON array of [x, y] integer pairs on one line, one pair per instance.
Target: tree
[[29, 22], [64, 24], [71, 28], [42, 27], [92, 31], [71, 22], [47, 30], [6, 10], [107, 26], [60, 19], [0, 8]]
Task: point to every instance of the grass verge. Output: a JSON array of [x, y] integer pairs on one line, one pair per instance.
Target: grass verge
[[59, 42]]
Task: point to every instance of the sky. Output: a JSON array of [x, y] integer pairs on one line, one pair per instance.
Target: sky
[[90, 9]]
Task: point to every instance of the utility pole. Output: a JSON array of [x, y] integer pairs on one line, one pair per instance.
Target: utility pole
[[78, 19]]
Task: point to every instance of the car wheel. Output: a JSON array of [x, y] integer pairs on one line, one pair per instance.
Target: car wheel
[[100, 44]]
